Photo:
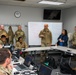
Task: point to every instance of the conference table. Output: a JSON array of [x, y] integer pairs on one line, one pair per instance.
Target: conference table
[[20, 60], [50, 48], [29, 69]]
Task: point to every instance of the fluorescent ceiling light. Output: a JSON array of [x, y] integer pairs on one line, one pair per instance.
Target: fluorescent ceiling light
[[50, 2]]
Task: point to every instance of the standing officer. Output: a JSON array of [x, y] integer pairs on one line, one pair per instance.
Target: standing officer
[[46, 36], [74, 39], [0, 31], [19, 33], [46, 40], [11, 35], [3, 31]]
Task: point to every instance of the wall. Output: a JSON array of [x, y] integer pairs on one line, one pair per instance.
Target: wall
[[69, 19], [28, 14]]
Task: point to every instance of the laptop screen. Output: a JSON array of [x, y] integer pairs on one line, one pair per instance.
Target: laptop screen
[[28, 60], [44, 70]]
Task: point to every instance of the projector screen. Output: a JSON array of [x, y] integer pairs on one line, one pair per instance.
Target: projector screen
[[34, 29]]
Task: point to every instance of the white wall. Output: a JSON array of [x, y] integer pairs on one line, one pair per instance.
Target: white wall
[[28, 14], [69, 19]]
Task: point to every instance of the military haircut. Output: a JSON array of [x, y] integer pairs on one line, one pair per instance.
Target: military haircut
[[4, 54], [19, 38], [3, 36]]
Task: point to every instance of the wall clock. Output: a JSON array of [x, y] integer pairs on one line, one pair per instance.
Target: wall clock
[[17, 14]]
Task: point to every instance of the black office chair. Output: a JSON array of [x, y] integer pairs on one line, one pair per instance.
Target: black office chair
[[9, 46], [66, 57], [16, 53], [66, 69], [44, 70]]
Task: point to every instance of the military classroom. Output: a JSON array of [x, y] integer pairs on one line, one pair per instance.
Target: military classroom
[[37, 37]]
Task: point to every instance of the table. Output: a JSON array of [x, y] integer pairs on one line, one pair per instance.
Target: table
[[21, 61], [37, 49], [50, 48], [61, 48], [65, 49]]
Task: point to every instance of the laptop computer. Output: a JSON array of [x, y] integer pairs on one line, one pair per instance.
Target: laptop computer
[[44, 70], [20, 67], [28, 60]]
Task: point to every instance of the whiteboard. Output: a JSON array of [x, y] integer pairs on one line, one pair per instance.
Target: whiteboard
[[34, 29]]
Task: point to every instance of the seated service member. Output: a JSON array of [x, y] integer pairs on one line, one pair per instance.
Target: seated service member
[[74, 39], [63, 38], [46, 36], [3, 40], [5, 60], [20, 44]]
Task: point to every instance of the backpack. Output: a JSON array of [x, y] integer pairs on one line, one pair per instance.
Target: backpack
[[50, 62]]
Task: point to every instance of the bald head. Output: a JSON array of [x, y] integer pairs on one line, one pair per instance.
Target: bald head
[[19, 27], [2, 27], [75, 29], [45, 26]]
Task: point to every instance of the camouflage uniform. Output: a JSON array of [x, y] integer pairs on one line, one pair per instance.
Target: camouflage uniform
[[0, 33], [47, 39], [11, 36], [19, 33], [74, 41], [1, 42], [74, 44], [21, 45], [3, 32], [5, 71]]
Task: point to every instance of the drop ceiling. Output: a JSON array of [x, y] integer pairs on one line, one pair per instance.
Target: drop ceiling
[[34, 3]]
